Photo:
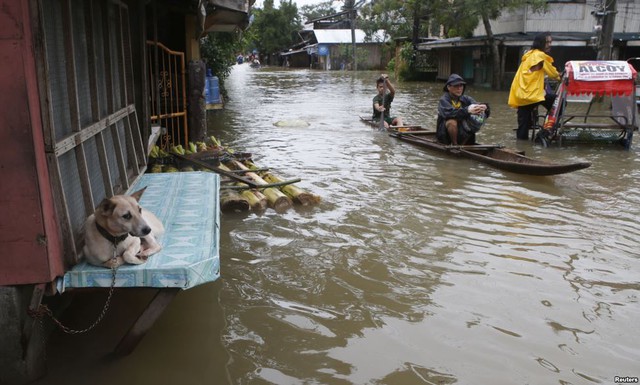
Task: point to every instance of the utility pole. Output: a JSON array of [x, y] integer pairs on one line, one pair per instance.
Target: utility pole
[[606, 18], [349, 5]]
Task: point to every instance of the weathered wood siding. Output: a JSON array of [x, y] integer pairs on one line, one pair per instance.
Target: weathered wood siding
[[29, 239]]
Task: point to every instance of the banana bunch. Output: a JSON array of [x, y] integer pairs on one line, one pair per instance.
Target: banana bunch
[[178, 150], [157, 152], [157, 168], [191, 148], [201, 146], [214, 141]]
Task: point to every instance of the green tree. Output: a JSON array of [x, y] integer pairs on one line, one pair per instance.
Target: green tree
[[455, 18], [387, 15], [316, 11], [219, 50], [400, 19], [275, 29]]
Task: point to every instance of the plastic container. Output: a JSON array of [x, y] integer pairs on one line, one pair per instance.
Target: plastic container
[[207, 87], [212, 92]]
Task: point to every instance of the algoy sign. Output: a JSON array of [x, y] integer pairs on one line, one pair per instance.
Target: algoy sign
[[601, 70]]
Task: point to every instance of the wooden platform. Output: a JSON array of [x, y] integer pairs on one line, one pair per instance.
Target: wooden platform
[[187, 204]]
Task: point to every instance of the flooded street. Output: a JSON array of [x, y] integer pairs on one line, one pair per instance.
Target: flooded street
[[416, 268]]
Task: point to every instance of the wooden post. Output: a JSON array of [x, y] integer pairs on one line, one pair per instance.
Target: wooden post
[[606, 33], [197, 104], [151, 313]]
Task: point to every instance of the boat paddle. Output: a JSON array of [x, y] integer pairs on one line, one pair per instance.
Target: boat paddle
[[384, 95]]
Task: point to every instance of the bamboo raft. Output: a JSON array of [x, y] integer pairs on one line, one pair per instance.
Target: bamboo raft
[[244, 185]]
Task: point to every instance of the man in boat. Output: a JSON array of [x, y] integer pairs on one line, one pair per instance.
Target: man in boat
[[459, 115], [528, 89], [382, 103]]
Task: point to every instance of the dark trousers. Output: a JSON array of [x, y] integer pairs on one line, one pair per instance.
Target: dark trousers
[[442, 135], [526, 116]]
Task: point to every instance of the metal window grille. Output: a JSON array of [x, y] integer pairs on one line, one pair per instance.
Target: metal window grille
[[92, 136]]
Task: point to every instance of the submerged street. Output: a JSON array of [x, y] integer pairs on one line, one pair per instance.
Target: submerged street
[[416, 268]]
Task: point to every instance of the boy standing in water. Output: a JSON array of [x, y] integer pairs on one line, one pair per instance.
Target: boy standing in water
[[382, 103]]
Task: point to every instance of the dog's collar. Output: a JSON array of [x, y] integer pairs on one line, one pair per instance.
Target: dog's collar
[[111, 238]]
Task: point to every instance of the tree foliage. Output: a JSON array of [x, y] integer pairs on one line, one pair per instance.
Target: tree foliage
[[275, 29], [219, 50], [388, 15], [316, 11], [454, 17]]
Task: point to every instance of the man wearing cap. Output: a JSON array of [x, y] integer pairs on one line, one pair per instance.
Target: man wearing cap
[[455, 111]]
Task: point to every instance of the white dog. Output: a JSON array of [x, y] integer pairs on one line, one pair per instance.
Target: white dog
[[120, 223]]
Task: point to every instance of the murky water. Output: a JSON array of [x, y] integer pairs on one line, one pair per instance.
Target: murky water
[[416, 268]]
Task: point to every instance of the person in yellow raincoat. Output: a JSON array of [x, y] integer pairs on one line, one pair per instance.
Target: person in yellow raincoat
[[528, 87]]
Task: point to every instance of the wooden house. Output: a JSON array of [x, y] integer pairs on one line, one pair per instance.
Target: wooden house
[[331, 49], [87, 86]]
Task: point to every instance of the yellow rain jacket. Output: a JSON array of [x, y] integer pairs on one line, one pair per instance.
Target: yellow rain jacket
[[528, 86]]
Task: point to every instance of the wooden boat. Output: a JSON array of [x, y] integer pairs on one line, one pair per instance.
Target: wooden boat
[[493, 155], [376, 124]]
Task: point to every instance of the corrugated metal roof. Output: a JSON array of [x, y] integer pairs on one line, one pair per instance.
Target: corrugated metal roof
[[343, 36]]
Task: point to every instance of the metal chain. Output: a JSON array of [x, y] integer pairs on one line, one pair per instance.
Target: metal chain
[[43, 310]]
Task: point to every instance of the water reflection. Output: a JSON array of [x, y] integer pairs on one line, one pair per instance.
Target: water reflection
[[415, 268]]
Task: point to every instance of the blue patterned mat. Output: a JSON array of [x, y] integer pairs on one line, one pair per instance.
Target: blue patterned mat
[[187, 204]]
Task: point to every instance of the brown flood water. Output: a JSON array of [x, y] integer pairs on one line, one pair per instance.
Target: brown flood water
[[416, 268]]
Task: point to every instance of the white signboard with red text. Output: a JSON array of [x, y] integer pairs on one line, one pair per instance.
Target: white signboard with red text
[[601, 70], [600, 77]]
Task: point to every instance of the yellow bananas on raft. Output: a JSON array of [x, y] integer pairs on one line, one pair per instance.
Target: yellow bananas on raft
[[157, 168], [191, 148], [155, 152], [178, 150], [201, 146], [214, 141]]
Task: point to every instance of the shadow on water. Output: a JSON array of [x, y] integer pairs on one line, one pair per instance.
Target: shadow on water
[[415, 268]]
